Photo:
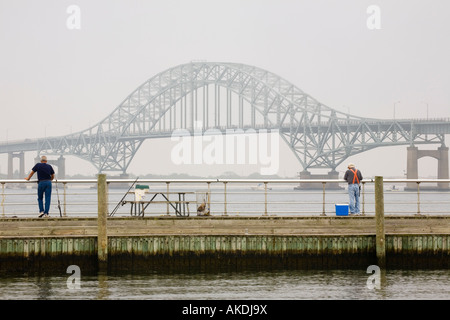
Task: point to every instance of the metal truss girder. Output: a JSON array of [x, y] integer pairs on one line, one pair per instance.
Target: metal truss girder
[[319, 136]]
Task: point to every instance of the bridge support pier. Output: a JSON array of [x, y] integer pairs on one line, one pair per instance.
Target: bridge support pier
[[306, 175], [412, 167], [60, 163], [11, 157], [10, 174]]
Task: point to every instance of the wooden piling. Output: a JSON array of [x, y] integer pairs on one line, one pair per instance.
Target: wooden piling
[[102, 241], [379, 221]]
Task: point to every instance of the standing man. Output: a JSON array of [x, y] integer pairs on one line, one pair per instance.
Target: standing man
[[45, 174], [353, 177]]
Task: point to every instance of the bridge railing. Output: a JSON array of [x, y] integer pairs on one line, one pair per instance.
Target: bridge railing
[[230, 197]]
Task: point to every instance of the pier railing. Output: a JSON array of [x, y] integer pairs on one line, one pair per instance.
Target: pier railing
[[230, 197]]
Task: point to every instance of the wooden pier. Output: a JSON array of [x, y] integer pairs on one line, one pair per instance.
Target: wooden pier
[[171, 243], [217, 242]]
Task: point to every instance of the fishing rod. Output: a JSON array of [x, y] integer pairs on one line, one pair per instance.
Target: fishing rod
[[57, 194], [123, 198]]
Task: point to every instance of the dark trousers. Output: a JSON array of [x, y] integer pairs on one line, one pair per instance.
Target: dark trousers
[[44, 189]]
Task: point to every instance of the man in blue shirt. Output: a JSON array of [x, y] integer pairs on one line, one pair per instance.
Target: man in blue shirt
[[45, 175]]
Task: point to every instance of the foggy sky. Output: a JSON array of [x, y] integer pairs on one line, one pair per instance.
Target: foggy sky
[[54, 80]]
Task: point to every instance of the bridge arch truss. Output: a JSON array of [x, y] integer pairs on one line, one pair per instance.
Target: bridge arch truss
[[235, 96]]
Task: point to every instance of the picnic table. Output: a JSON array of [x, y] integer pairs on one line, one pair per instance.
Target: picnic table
[[180, 205]]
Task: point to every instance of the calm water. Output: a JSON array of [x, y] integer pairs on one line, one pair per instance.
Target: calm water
[[245, 285], [241, 200], [260, 285]]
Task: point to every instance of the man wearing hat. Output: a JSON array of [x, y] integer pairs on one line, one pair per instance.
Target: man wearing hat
[[353, 177], [45, 174]]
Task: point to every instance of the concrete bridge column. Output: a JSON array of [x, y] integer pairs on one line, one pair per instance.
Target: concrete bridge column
[[306, 175], [61, 167], [412, 169], [10, 166], [11, 157], [441, 154], [443, 169], [60, 163]]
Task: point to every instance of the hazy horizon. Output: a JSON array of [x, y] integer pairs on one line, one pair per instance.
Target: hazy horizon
[[58, 77]]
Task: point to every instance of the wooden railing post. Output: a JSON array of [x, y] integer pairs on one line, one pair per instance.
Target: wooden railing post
[[102, 240], [379, 218]]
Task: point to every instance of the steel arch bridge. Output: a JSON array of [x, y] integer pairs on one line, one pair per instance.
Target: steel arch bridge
[[231, 96]]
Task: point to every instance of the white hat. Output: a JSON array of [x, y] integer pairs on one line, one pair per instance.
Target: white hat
[[351, 165]]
